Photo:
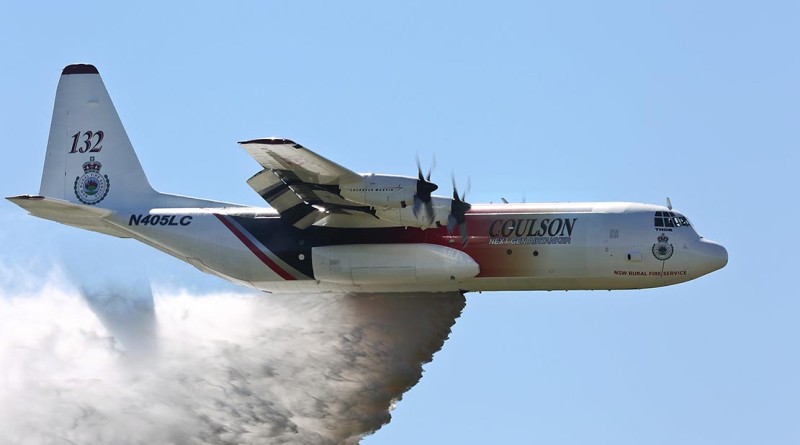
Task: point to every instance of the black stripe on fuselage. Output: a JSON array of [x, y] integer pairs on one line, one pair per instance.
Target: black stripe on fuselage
[[288, 242]]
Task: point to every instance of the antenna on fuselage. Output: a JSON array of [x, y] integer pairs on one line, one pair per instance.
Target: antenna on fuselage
[[669, 203]]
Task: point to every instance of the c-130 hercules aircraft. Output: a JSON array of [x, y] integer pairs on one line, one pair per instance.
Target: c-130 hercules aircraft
[[331, 229]]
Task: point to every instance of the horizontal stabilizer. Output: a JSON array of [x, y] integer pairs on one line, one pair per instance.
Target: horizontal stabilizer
[[77, 215]]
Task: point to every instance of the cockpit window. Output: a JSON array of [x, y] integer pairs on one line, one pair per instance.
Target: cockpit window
[[670, 219]]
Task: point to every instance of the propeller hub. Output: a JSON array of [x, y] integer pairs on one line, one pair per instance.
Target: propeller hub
[[425, 188]]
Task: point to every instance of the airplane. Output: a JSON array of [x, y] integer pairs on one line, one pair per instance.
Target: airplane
[[329, 229]]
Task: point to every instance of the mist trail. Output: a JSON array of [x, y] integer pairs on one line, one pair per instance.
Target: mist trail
[[223, 368], [127, 312]]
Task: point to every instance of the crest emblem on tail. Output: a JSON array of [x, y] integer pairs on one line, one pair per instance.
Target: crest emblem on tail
[[91, 187]]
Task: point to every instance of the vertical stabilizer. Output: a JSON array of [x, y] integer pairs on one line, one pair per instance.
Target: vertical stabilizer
[[90, 159]]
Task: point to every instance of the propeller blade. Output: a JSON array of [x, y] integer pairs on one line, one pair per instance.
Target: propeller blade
[[422, 198], [455, 188], [458, 210], [426, 207], [417, 205], [429, 209], [464, 234], [451, 224], [430, 170]]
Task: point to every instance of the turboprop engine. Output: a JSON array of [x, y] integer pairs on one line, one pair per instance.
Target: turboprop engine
[[441, 211], [408, 201], [392, 192], [381, 191], [406, 216]]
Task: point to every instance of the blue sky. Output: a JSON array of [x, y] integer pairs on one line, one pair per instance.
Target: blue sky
[[579, 101]]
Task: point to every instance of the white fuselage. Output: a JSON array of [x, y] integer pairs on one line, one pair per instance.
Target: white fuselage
[[515, 247]]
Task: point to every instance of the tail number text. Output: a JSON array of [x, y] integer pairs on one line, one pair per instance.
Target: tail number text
[[160, 220], [87, 141]]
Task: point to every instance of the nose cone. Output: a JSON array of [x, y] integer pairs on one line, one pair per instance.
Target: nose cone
[[711, 256]]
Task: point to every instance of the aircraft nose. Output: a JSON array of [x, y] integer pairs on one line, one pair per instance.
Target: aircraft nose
[[712, 256]]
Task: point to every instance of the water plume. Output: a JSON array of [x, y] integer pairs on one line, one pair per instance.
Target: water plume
[[223, 368]]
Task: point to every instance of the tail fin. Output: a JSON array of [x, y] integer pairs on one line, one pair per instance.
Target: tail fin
[[90, 159]]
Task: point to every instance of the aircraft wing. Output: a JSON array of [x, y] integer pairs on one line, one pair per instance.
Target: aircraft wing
[[300, 184], [282, 154]]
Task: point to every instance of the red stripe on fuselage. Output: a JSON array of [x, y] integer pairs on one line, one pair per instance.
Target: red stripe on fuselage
[[256, 251]]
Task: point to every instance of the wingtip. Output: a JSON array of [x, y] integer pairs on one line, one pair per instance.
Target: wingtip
[[270, 141], [79, 68]]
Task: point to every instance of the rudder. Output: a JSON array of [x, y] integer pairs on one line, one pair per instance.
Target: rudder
[[90, 159]]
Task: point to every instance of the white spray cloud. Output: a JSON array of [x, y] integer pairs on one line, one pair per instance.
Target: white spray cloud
[[224, 368]]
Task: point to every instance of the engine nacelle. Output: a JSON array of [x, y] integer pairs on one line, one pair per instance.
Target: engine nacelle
[[405, 216], [381, 191]]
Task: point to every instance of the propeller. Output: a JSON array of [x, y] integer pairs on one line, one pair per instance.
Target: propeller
[[458, 209], [422, 199]]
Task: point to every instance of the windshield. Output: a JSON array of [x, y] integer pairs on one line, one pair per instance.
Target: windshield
[[670, 219]]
